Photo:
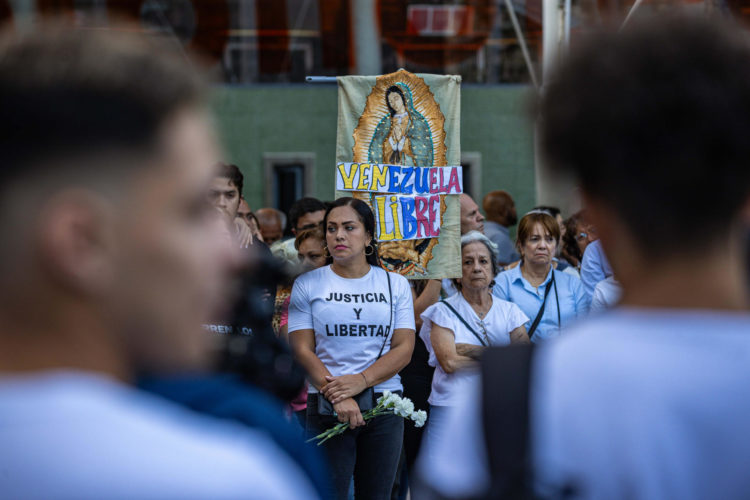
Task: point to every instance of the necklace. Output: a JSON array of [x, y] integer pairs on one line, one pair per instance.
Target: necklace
[[481, 312]]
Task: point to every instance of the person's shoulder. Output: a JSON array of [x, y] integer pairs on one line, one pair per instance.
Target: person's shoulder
[[592, 250], [398, 279], [567, 279], [503, 306], [505, 278], [432, 309], [491, 228], [455, 300], [441, 306], [313, 276], [622, 330], [628, 349], [153, 447]]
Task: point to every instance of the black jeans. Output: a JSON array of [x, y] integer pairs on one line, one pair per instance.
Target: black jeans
[[370, 453]]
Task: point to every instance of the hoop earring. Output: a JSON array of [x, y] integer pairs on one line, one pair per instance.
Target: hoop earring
[[372, 249], [327, 253]]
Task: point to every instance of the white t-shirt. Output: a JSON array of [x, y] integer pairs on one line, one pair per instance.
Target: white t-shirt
[[606, 294], [502, 318], [449, 288], [78, 435], [631, 404], [351, 318]]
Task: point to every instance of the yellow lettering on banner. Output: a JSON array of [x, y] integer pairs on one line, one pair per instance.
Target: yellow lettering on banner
[[348, 179], [394, 211], [364, 176], [379, 176], [380, 208]]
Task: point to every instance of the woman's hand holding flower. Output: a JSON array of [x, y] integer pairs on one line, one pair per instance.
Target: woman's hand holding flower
[[348, 411]]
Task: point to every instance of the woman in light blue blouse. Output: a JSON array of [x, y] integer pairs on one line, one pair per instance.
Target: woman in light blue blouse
[[551, 299]]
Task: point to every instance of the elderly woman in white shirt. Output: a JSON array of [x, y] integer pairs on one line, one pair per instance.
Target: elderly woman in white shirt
[[456, 330]]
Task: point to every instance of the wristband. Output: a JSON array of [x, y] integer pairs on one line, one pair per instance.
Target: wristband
[[367, 384]]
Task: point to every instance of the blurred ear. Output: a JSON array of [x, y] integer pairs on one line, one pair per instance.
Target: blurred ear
[[76, 244]]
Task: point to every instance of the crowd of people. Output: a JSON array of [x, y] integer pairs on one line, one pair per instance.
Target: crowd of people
[[359, 331], [130, 234]]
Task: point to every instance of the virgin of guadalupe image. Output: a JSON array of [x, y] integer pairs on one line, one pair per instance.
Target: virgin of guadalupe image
[[396, 131], [403, 135]]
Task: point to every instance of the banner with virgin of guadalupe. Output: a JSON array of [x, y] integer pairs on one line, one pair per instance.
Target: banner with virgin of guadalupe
[[398, 149]]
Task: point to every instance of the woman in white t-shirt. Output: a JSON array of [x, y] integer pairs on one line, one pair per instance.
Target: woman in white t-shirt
[[351, 325], [457, 329]]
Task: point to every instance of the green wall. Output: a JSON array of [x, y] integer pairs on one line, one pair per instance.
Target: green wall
[[254, 120]]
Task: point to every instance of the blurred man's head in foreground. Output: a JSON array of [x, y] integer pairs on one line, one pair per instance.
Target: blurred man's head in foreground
[[111, 257], [654, 123]]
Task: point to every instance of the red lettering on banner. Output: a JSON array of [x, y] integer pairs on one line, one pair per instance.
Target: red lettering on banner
[[423, 221], [434, 214], [454, 185]]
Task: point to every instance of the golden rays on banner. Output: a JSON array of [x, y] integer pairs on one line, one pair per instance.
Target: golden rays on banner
[[402, 125], [397, 120]]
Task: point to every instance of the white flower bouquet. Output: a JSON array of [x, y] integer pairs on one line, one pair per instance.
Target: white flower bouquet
[[387, 403]]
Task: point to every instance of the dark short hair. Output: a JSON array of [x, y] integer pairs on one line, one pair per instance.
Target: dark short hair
[[231, 172], [531, 219], [302, 207], [654, 121], [69, 95], [367, 219]]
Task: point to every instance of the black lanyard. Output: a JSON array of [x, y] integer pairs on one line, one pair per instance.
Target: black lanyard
[[552, 283], [485, 342]]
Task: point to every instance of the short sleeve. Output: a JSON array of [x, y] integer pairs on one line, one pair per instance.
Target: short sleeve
[[438, 314], [516, 317], [591, 269], [598, 302], [500, 290], [403, 311], [300, 309], [581, 298]]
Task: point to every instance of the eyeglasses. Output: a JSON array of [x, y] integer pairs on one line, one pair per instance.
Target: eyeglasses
[[581, 236]]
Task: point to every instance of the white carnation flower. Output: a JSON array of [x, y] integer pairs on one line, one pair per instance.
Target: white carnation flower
[[392, 400], [384, 398], [404, 408], [419, 417], [408, 406]]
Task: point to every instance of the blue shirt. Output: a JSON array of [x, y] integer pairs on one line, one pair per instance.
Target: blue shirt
[[500, 236], [632, 404], [568, 295], [594, 267]]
